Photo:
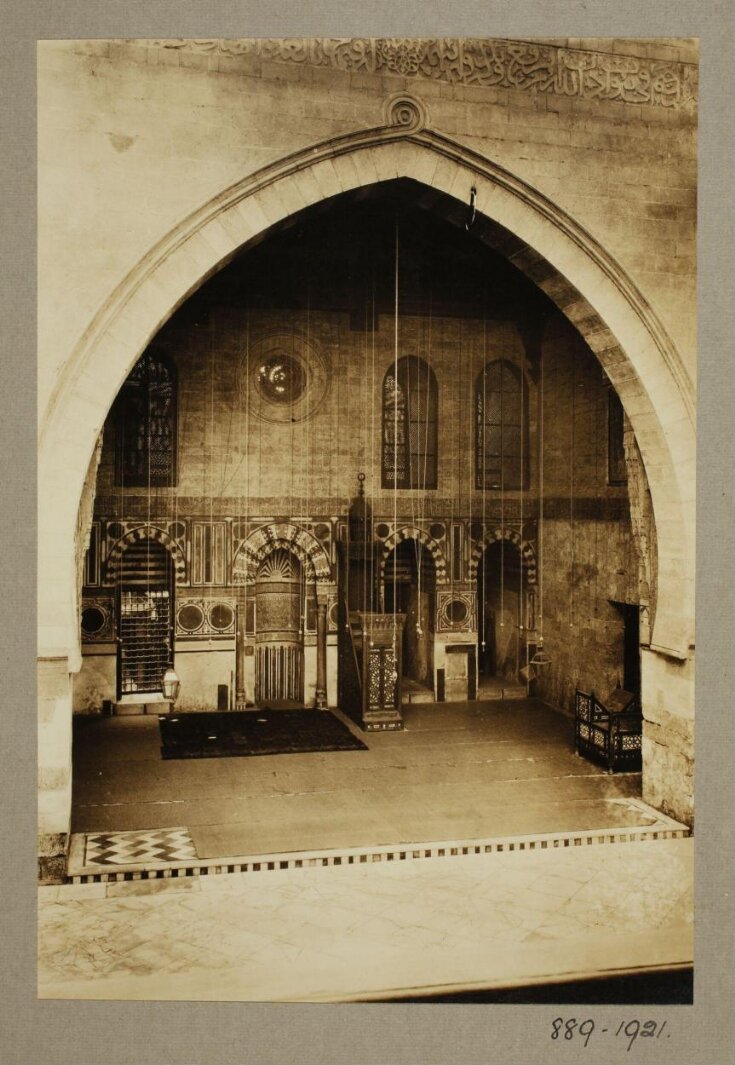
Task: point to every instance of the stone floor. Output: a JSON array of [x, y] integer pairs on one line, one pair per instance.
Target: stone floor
[[382, 929], [457, 772], [388, 930]]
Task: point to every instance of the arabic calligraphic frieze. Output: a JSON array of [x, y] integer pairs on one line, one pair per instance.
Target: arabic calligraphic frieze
[[487, 62]]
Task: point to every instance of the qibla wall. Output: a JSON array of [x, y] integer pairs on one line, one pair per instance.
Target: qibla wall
[[237, 466]]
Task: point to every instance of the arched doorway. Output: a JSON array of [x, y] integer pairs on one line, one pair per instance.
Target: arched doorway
[[499, 603], [410, 589], [280, 599], [145, 610]]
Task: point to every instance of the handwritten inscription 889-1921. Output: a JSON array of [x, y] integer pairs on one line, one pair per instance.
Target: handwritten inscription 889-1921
[[626, 1030]]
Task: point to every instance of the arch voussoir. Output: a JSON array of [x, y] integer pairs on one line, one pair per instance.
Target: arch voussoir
[[409, 532], [289, 536]]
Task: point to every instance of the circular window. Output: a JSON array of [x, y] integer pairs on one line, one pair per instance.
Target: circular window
[[177, 530], [476, 530], [190, 617], [288, 376], [437, 531], [114, 530], [93, 620], [282, 379], [321, 532], [457, 611], [382, 530], [334, 615], [221, 616]]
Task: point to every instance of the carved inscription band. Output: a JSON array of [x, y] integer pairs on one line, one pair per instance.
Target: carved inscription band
[[487, 62]]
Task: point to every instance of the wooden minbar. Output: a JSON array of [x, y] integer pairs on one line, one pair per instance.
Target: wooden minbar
[[377, 641]]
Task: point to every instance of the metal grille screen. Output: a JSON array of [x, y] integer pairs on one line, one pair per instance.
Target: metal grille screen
[[145, 625]]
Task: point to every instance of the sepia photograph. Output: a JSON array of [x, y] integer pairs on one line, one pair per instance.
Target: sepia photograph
[[366, 521]]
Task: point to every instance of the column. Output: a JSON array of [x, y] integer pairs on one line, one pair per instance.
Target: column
[[240, 696], [321, 654]]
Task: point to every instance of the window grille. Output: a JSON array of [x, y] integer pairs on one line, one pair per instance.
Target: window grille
[[145, 613], [146, 425], [501, 424], [410, 426]]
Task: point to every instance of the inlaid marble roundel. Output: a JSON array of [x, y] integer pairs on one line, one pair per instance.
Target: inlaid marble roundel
[[93, 620], [457, 611], [190, 617], [221, 616], [288, 376]]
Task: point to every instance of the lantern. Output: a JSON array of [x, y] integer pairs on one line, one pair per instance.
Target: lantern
[[170, 685]]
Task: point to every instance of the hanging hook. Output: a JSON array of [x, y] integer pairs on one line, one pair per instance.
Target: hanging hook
[[473, 209]]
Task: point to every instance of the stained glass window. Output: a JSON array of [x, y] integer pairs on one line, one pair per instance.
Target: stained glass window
[[410, 425], [146, 425], [501, 427]]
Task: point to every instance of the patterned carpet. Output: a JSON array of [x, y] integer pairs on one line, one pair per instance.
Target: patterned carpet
[[253, 732]]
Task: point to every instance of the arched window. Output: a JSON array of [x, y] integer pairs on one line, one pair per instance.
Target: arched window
[[501, 427], [146, 425], [409, 425]]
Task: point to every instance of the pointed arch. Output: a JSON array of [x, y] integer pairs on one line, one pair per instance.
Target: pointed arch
[[412, 532], [494, 536], [588, 285], [145, 532], [268, 538]]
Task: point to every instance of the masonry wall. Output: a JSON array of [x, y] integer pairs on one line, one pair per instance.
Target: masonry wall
[[121, 122], [236, 465], [134, 136], [588, 554]]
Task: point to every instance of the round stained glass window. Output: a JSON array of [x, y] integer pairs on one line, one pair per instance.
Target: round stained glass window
[[282, 379], [289, 376]]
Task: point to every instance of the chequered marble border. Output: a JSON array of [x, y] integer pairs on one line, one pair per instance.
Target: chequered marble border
[[663, 828], [138, 848]]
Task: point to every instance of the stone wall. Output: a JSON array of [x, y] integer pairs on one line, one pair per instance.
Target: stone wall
[[235, 462], [668, 735], [135, 136], [120, 122], [588, 556]]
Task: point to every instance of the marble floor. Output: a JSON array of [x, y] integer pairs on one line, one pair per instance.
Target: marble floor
[[376, 931], [457, 772]]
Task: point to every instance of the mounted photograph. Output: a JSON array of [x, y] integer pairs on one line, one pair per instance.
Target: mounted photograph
[[366, 519]]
